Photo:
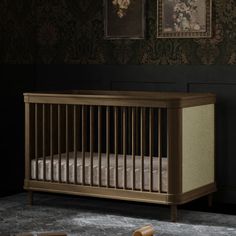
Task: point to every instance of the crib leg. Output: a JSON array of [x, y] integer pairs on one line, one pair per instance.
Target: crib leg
[[210, 200], [30, 197], [173, 210]]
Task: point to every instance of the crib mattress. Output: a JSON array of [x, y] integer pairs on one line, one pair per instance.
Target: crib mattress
[[111, 179]]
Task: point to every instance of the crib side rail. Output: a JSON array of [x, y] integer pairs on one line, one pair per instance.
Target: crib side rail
[[99, 146]]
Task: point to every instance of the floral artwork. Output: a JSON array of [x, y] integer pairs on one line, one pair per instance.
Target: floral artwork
[[124, 19], [121, 7], [186, 15], [184, 18]]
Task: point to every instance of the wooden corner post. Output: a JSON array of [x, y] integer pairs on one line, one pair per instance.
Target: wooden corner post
[[174, 155], [27, 149]]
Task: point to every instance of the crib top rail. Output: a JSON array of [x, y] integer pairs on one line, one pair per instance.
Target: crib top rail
[[121, 98]]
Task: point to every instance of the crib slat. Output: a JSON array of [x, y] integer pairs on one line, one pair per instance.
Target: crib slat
[[78, 121], [116, 145], [83, 143], [142, 136], [59, 140], [36, 139], [159, 151], [137, 130], [124, 147], [91, 143], [129, 131], [108, 144], [51, 141], [99, 145], [151, 118], [67, 144], [44, 149], [133, 146], [75, 143]]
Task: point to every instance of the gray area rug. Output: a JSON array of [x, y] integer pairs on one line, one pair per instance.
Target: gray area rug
[[90, 217]]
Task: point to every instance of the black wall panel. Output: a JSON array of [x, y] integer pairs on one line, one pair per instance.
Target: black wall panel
[[217, 79]]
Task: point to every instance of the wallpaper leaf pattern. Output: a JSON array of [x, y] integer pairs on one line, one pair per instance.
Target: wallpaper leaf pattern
[[17, 31], [72, 31]]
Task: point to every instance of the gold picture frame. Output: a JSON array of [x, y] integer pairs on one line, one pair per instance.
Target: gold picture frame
[[184, 18]]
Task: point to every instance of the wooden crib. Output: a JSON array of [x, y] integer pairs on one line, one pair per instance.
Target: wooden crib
[[138, 146]]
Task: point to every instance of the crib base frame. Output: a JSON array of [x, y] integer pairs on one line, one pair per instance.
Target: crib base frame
[[120, 194]]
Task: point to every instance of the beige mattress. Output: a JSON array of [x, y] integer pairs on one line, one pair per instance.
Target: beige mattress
[[103, 170]]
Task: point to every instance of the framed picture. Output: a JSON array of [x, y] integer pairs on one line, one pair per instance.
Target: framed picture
[[184, 18], [124, 19]]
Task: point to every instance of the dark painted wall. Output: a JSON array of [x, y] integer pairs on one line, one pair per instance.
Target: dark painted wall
[[14, 81]]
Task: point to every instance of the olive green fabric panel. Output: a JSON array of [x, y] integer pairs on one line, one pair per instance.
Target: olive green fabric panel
[[198, 146]]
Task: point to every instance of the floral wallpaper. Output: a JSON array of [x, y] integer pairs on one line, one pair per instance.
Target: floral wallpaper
[[71, 31], [17, 32]]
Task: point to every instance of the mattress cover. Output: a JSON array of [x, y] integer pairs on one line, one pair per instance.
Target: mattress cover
[[112, 170]]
